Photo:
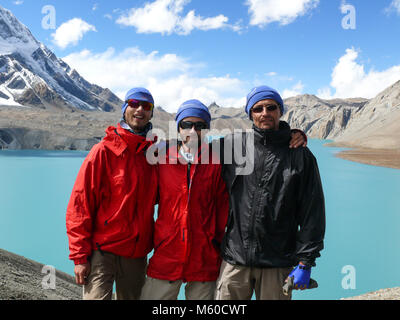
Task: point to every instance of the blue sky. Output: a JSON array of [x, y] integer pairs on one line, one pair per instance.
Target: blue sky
[[219, 50]]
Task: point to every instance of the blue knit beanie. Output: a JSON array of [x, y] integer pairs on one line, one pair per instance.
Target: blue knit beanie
[[193, 108], [140, 94], [262, 93]]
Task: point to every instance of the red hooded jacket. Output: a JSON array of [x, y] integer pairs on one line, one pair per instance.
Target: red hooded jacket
[[192, 213], [112, 202]]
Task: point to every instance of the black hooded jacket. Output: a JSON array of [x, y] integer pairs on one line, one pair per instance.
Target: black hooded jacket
[[277, 210]]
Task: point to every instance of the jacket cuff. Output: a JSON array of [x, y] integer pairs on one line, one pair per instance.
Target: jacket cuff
[[307, 262], [81, 261]]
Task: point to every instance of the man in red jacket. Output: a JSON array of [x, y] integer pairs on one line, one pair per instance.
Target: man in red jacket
[[192, 213], [110, 213]]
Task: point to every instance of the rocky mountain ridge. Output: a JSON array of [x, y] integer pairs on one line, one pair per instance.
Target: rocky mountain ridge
[[358, 122], [31, 75], [377, 124], [318, 118], [349, 122]]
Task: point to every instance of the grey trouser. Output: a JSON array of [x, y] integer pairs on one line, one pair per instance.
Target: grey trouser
[[156, 289], [128, 274], [239, 283]]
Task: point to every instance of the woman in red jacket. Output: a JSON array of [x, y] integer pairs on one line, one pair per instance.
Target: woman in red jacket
[[192, 213], [110, 213]]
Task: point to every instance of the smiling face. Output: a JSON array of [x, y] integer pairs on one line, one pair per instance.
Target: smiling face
[[137, 118], [263, 117]]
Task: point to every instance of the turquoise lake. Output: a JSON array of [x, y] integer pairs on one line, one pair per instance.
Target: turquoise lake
[[362, 214]]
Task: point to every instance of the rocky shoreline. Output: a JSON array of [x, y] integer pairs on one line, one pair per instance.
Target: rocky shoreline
[[383, 294], [24, 279], [388, 158], [375, 157]]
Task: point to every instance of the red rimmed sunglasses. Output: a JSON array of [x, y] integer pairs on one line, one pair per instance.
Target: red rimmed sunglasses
[[147, 106]]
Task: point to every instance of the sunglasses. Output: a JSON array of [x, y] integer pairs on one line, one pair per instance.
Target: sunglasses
[[198, 126], [147, 106], [259, 109]]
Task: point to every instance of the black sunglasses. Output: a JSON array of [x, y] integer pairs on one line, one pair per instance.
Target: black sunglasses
[[197, 125], [259, 109]]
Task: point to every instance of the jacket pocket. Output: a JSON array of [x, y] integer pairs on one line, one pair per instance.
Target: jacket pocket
[[213, 244], [158, 245], [110, 218], [161, 235]]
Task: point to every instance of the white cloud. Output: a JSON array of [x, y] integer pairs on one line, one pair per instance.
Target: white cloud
[[325, 93], [394, 6], [71, 32], [95, 7], [171, 78], [350, 79], [263, 12], [191, 22], [165, 17], [296, 90], [18, 2]]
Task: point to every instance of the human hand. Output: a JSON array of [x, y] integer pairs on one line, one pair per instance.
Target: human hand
[[82, 271], [301, 277], [299, 139]]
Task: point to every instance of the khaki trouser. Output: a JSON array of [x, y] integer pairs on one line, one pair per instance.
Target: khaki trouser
[[156, 289], [238, 283], [128, 274]]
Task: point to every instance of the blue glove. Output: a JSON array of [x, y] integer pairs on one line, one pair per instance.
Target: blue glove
[[301, 276]]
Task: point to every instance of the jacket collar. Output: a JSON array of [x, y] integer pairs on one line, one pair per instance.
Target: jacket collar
[[148, 127], [280, 136], [174, 155], [119, 139]]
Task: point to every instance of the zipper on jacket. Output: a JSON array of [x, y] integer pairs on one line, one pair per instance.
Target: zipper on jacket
[[252, 231], [189, 182], [255, 211], [186, 228]]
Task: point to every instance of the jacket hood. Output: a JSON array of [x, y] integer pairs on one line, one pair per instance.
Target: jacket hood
[[119, 139]]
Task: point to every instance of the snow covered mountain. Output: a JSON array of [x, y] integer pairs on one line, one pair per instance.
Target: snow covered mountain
[[31, 75]]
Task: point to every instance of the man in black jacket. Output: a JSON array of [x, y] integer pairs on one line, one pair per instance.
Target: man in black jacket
[[277, 212]]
